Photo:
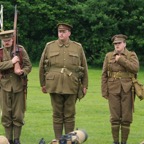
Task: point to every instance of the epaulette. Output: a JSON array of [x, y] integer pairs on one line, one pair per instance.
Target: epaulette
[[50, 42], [76, 43], [109, 53]]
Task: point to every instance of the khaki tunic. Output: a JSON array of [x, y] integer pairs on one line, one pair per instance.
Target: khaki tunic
[[59, 71], [58, 67], [118, 90], [12, 88]]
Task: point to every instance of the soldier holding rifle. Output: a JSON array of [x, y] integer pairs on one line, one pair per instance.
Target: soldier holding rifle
[[15, 65]]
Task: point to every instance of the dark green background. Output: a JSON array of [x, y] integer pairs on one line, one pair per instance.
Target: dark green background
[[94, 22]]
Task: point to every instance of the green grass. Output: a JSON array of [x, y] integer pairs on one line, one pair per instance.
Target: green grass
[[92, 114]]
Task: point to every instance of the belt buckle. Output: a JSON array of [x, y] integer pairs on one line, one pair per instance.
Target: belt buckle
[[62, 70]]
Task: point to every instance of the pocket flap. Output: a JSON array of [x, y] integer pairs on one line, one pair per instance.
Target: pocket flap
[[54, 54], [73, 54], [50, 76]]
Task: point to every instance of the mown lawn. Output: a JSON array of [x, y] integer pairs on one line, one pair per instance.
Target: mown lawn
[[92, 114]]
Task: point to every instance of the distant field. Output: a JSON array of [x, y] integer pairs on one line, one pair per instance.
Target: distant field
[[92, 114]]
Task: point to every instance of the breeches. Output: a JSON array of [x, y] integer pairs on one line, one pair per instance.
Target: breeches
[[63, 107], [120, 105], [12, 108]]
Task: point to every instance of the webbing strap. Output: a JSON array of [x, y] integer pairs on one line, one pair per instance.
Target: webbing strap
[[63, 70], [121, 75]]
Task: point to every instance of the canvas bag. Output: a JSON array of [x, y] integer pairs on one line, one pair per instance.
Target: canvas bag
[[139, 89]]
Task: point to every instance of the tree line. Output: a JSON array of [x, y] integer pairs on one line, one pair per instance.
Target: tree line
[[94, 23]]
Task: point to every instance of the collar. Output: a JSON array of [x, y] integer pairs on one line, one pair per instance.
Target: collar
[[61, 44], [122, 53]]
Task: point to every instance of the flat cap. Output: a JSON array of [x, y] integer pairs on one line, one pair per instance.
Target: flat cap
[[6, 34], [3, 140], [64, 26], [118, 38]]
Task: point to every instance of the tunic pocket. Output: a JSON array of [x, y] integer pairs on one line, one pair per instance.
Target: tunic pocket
[[53, 57], [50, 77], [74, 58]]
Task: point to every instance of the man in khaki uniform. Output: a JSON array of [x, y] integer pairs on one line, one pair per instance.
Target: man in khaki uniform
[[12, 86], [63, 72], [118, 69]]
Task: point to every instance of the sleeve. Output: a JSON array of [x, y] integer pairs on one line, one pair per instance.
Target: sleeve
[[104, 78], [41, 68], [26, 65], [84, 64], [131, 64]]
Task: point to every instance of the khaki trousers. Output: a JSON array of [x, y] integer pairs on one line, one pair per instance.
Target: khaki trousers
[[63, 113], [12, 113], [120, 105], [121, 111]]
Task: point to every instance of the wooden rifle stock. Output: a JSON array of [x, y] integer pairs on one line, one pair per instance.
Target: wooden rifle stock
[[17, 67]]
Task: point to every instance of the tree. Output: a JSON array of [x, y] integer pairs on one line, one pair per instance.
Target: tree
[[94, 22]]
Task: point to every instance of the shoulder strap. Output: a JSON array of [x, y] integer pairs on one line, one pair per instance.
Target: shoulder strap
[[110, 54], [20, 54], [1, 54], [20, 49]]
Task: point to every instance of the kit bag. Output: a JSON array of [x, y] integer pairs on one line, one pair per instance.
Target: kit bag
[[139, 88]]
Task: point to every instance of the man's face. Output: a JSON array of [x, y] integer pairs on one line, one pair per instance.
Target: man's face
[[63, 34], [7, 42], [119, 46]]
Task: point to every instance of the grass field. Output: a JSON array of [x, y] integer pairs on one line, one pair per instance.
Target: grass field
[[92, 114]]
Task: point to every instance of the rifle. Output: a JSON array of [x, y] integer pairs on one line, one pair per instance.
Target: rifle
[[17, 67], [16, 50], [1, 20]]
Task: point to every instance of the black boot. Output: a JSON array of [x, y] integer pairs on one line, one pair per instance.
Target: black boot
[[123, 143], [115, 142], [11, 141], [16, 141]]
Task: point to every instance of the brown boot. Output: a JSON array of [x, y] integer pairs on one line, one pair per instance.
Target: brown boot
[[11, 142], [16, 141]]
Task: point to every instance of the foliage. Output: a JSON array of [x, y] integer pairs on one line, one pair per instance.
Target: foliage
[[94, 22]]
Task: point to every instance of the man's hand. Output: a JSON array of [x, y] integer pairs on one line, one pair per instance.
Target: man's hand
[[44, 89], [106, 97], [84, 91], [19, 72], [117, 57], [15, 59]]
